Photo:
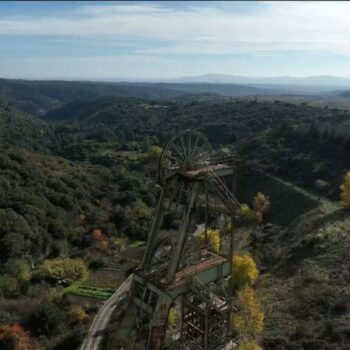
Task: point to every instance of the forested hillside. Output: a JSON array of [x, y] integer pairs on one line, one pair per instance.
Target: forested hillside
[[104, 148], [77, 184], [311, 155], [24, 130], [84, 152], [50, 205], [40, 97], [221, 121]]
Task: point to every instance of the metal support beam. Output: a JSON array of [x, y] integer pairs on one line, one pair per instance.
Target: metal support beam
[[206, 328], [157, 223], [206, 215], [182, 233], [158, 323], [231, 250]]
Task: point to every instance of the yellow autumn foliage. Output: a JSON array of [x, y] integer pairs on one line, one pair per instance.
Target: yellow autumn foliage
[[63, 269], [345, 191], [249, 345], [261, 203], [173, 318], [247, 214], [244, 271], [213, 237], [154, 152], [249, 321], [77, 314]]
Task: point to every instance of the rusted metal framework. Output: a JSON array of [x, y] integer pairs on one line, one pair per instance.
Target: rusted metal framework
[[174, 267], [204, 325]]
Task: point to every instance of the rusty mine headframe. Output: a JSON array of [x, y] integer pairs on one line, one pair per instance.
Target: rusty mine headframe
[[194, 181]]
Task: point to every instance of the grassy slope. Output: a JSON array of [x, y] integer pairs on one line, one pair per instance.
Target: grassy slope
[[304, 286]]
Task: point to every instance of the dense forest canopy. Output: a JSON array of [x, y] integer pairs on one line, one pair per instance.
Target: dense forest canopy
[[78, 183], [89, 158], [221, 121], [39, 97]]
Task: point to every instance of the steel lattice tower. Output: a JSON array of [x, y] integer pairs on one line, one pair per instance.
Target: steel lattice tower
[[174, 269]]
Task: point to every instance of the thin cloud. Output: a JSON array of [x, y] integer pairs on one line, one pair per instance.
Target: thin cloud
[[280, 26]]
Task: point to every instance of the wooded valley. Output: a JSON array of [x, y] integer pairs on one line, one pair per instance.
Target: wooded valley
[[78, 192]]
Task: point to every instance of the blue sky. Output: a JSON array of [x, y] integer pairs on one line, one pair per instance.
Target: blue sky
[[158, 40]]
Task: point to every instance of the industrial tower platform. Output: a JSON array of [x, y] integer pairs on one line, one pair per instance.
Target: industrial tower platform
[[196, 187]]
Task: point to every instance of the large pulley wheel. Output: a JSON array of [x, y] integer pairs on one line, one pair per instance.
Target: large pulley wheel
[[187, 150]]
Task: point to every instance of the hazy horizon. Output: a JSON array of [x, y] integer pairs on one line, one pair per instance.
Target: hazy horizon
[[211, 78]]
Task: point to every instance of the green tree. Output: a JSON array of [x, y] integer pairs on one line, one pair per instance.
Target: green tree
[[9, 287], [46, 318], [140, 210]]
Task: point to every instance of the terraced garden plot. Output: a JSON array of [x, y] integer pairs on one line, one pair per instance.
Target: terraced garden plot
[[88, 291]]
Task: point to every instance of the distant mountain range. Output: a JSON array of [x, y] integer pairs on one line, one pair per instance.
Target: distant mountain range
[[323, 80]]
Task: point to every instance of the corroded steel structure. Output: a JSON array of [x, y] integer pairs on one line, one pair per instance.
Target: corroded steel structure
[[175, 269]]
